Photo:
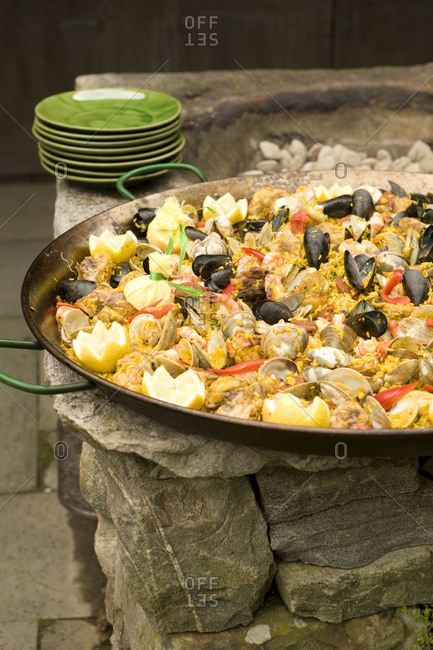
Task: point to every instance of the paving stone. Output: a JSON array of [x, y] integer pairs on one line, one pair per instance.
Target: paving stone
[[39, 572], [19, 426], [19, 635], [33, 205], [396, 579], [69, 635]]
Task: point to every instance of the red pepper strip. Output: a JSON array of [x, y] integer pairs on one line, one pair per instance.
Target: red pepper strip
[[362, 426], [387, 398], [252, 251], [243, 366], [229, 290], [429, 322], [393, 282], [158, 313], [298, 221], [66, 304], [429, 388], [200, 224]]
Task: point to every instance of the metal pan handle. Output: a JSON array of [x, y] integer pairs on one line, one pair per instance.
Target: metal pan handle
[[36, 388], [154, 168]]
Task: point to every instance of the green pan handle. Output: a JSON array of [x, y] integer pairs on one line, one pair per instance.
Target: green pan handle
[[154, 168], [36, 388]]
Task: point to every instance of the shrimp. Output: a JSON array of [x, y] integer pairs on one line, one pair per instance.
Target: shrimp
[[189, 334], [274, 287], [338, 319], [354, 247], [376, 222], [227, 304], [274, 261], [366, 346]]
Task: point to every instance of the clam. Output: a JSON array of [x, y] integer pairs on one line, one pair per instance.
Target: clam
[[316, 246], [315, 373], [425, 311], [217, 350], [140, 260], [416, 286], [284, 340], [387, 262], [339, 207], [351, 379], [363, 205], [250, 240], [393, 242], [145, 329], [277, 367], [187, 354], [175, 368], [73, 290], [265, 235], [211, 245], [221, 223], [307, 390], [357, 228], [342, 338], [402, 373], [426, 368], [72, 321], [359, 270], [329, 357], [411, 247], [404, 347], [377, 415], [200, 357], [169, 332], [416, 328], [336, 393], [404, 413], [238, 320]]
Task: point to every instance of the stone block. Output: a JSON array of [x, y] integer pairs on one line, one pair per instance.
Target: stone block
[[287, 494], [398, 578], [355, 534], [19, 635], [195, 553], [69, 635]]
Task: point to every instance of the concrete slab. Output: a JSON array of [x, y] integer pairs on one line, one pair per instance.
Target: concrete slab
[[68, 635], [40, 574], [18, 425], [19, 635], [27, 210]]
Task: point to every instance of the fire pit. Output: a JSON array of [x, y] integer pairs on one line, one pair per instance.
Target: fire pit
[[192, 531]]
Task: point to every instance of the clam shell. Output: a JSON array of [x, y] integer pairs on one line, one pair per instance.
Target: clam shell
[[277, 367], [405, 347], [169, 332], [72, 321], [145, 329], [378, 417], [307, 390], [336, 393], [403, 373], [238, 320], [352, 379], [217, 351], [387, 262], [408, 409], [284, 340], [203, 360], [175, 368], [341, 338]]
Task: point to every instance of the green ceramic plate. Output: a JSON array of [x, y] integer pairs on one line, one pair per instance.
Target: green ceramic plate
[[114, 140], [114, 171], [104, 182], [150, 157], [109, 155], [108, 109], [64, 149]]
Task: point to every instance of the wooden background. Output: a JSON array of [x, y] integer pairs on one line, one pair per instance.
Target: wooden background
[[45, 44]]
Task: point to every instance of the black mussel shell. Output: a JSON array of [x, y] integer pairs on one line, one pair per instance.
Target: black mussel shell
[[397, 190], [220, 279], [359, 270], [396, 218], [363, 205], [362, 307], [368, 324], [316, 246], [142, 219], [416, 286], [415, 210], [280, 219], [204, 265], [182, 306], [195, 233], [250, 225], [427, 216], [271, 311], [339, 207], [426, 245], [119, 271], [73, 290], [252, 293]]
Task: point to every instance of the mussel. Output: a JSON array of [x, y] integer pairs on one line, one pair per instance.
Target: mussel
[[316, 245], [367, 321], [339, 207], [397, 190], [250, 225], [357, 228], [416, 286], [271, 311], [219, 279], [195, 233], [205, 265], [142, 219], [426, 245], [121, 269], [280, 218], [427, 216], [73, 290], [363, 205], [359, 270]]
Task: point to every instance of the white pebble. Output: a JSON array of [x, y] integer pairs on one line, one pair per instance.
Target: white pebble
[[325, 162], [419, 150], [401, 163], [297, 162], [286, 159], [270, 150], [308, 166], [314, 150], [298, 148], [267, 165], [325, 152], [426, 164], [413, 167], [369, 162], [383, 165], [252, 172], [383, 154]]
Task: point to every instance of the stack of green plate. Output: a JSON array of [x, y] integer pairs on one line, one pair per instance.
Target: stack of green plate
[[95, 136]]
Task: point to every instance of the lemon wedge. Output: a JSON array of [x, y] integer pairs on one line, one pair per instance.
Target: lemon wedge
[[100, 350], [186, 389], [288, 409], [142, 291], [226, 206], [119, 247]]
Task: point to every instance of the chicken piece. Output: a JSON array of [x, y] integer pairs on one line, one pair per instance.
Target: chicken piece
[[348, 415], [96, 268], [242, 346], [218, 389], [245, 404], [104, 297], [129, 370], [248, 276], [263, 200]]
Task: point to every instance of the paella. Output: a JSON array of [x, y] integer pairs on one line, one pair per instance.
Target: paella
[[311, 308]]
